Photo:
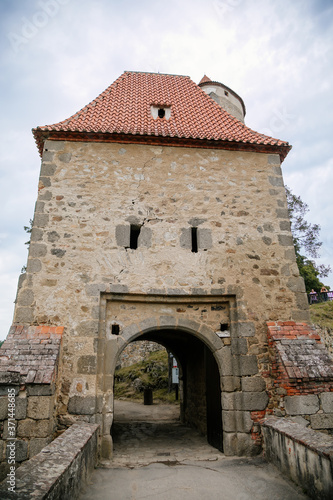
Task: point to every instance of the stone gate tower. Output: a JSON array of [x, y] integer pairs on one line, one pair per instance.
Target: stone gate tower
[[160, 216]]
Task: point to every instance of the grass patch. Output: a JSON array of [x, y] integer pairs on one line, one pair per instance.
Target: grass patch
[[322, 314], [151, 373]]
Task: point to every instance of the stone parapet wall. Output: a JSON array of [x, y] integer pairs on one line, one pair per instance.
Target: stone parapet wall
[[60, 470], [306, 456]]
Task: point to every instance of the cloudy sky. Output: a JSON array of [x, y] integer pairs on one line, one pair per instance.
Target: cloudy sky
[[58, 55]]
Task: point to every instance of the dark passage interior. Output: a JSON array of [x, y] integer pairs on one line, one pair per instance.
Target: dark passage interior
[[199, 394]]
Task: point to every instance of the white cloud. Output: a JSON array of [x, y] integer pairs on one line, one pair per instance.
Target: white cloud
[[276, 55]]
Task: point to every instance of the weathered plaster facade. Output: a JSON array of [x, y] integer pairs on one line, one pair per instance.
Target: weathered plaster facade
[[186, 245]]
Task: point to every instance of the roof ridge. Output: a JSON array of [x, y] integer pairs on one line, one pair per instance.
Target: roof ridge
[[156, 73]]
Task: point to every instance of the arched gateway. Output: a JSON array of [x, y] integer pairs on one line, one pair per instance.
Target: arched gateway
[[160, 216], [202, 333]]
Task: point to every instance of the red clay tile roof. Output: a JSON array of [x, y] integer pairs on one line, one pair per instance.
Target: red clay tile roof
[[205, 79], [32, 353], [122, 113]]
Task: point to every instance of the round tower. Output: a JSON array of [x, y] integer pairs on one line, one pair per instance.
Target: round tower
[[225, 97]]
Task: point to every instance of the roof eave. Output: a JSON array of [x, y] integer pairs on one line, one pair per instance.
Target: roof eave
[[42, 135]]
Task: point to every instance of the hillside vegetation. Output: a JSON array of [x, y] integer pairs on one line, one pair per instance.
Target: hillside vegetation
[[151, 373], [322, 315]]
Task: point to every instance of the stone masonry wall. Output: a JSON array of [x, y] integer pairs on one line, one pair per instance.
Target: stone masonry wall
[[90, 194]]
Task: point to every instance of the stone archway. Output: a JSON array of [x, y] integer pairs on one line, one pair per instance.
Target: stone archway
[[186, 323], [194, 346]]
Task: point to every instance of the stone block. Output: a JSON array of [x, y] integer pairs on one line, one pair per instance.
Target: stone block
[[237, 421], [39, 206], [248, 365], [44, 182], [190, 325], [24, 315], [20, 408], [3, 407], [37, 444], [229, 443], [246, 446], [4, 470], [118, 289], [251, 401], [48, 155], [54, 145], [204, 239], [285, 225], [322, 421], [273, 159], [40, 389], [246, 329], [299, 420], [145, 236], [25, 297], [34, 266], [95, 289], [238, 346], [225, 360], [123, 235], [36, 234], [34, 428], [5, 434], [87, 364], [21, 451], [130, 331], [275, 181], [58, 252], [40, 407], [167, 321], [286, 240], [148, 324], [109, 355], [45, 195], [301, 405], [253, 384], [186, 238], [48, 169], [79, 405], [228, 401], [282, 213], [41, 220], [296, 284], [230, 383], [11, 379], [326, 399]]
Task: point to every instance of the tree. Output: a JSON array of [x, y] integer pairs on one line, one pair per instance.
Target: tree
[[28, 230], [306, 239]]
